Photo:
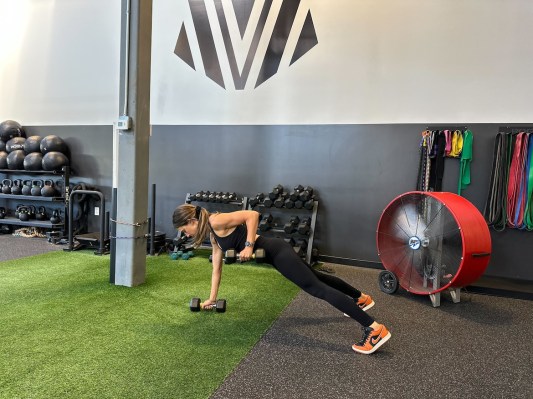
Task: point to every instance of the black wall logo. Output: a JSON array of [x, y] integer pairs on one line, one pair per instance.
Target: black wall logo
[[206, 32]]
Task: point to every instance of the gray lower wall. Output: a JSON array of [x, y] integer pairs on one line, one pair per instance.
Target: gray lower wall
[[356, 169]]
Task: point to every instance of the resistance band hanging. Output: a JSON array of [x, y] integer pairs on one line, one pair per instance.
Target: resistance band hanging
[[495, 208], [456, 144], [509, 202], [528, 213], [515, 190], [435, 146], [466, 160], [423, 166]]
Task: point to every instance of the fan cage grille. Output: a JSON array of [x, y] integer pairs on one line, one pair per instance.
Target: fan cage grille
[[428, 241]]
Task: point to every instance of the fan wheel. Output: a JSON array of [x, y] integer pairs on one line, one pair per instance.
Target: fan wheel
[[388, 282]]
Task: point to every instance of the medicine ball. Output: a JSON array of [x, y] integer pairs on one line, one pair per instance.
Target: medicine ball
[[32, 144], [3, 159], [54, 160], [16, 143], [15, 160], [33, 161], [53, 143], [10, 129], [2, 146]]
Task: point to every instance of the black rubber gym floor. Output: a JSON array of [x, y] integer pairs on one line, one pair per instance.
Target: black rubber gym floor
[[478, 348]]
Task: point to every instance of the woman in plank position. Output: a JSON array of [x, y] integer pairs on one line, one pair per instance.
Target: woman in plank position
[[237, 230]]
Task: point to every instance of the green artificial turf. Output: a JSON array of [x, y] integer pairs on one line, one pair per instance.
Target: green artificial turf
[[65, 332]]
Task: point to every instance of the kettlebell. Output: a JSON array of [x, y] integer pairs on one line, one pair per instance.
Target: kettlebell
[[60, 188], [6, 186], [41, 213], [26, 188], [31, 212], [16, 189], [36, 187], [48, 189], [23, 214], [2, 212], [17, 209], [55, 219]]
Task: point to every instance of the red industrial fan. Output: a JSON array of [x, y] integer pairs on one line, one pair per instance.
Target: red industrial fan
[[429, 242]]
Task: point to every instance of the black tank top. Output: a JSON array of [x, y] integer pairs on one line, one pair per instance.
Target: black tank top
[[235, 240]]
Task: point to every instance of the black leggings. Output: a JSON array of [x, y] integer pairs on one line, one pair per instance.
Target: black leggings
[[331, 289]]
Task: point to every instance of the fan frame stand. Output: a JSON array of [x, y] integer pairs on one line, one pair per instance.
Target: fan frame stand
[[454, 292]]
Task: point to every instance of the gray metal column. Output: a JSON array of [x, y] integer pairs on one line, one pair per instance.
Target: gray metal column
[[133, 143]]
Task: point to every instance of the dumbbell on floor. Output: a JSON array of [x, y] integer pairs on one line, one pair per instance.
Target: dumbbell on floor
[[232, 256], [196, 305], [175, 255]]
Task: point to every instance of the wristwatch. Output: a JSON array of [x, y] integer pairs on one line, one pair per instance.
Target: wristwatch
[[249, 244]]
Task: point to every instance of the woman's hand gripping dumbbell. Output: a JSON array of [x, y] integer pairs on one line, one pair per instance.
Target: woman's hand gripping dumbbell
[[231, 256], [196, 305]]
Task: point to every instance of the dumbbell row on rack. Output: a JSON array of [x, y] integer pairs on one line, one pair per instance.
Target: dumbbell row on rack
[[215, 196], [300, 197], [294, 224]]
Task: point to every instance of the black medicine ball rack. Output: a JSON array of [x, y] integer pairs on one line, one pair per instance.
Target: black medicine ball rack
[[6, 200]]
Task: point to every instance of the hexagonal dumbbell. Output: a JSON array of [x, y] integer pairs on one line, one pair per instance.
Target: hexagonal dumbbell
[[266, 222], [196, 305], [232, 256], [179, 254], [305, 226], [257, 199], [292, 225]]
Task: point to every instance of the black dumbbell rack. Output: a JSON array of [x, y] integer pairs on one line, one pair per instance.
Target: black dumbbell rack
[[241, 204], [283, 215]]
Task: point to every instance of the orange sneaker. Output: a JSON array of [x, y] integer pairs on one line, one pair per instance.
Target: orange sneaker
[[365, 302], [372, 339]]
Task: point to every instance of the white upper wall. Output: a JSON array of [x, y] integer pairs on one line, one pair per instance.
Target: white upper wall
[[376, 61], [59, 61]]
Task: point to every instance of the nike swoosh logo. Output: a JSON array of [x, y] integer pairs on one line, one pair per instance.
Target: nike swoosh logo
[[374, 340]]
